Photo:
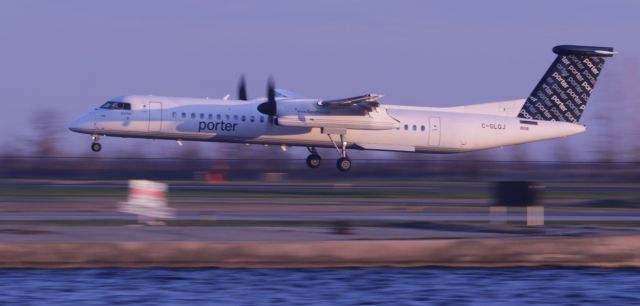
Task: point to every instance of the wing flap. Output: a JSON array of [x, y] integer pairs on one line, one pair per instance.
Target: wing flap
[[385, 147], [367, 102]]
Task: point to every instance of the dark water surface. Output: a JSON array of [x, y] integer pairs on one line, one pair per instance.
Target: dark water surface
[[547, 286]]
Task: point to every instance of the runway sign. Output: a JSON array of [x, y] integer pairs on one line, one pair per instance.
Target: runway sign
[[148, 199]]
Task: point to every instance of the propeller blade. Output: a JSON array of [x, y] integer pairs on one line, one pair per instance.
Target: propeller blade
[[269, 107], [271, 91], [242, 89]]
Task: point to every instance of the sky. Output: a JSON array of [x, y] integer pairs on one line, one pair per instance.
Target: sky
[[71, 56]]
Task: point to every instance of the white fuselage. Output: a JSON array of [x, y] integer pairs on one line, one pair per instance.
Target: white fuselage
[[416, 129]]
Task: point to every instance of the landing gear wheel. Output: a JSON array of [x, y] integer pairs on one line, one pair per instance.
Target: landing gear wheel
[[96, 147], [313, 161], [344, 164]]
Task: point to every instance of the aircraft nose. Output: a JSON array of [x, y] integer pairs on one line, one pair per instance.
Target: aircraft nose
[[81, 124]]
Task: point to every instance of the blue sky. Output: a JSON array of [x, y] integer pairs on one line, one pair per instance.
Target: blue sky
[[74, 55]]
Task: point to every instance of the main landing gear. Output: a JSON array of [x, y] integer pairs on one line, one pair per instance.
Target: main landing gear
[[344, 162], [313, 160], [95, 145]]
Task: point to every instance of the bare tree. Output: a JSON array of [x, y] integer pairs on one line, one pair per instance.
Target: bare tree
[[562, 150], [48, 127], [631, 94], [190, 150], [518, 153]]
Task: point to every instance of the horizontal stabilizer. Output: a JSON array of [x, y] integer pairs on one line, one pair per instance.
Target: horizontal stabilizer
[[502, 108], [584, 51]]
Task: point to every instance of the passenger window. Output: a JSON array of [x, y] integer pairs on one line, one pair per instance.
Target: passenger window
[[228, 117], [201, 116], [219, 116], [174, 115], [235, 117], [193, 115], [414, 127], [244, 118], [184, 115], [261, 119], [406, 127], [210, 116], [252, 119], [422, 128]]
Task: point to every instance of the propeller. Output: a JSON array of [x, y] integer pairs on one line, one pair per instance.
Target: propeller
[[242, 89], [269, 107]]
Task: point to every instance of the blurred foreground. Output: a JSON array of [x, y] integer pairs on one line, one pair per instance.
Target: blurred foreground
[[63, 212], [75, 223], [398, 167]]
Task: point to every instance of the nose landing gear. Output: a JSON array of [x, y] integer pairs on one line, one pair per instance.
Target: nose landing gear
[[95, 145]]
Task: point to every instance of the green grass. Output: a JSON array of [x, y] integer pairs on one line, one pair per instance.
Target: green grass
[[33, 191]]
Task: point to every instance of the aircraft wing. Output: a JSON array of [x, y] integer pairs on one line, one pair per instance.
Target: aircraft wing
[[283, 93], [367, 102], [355, 113]]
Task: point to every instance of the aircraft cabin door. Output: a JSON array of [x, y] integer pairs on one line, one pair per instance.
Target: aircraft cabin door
[[155, 116], [434, 132]]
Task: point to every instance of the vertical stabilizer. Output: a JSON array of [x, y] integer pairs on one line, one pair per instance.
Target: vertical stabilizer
[[563, 92]]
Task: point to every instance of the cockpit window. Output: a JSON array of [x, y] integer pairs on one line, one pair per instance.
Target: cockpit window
[[116, 105], [107, 105]]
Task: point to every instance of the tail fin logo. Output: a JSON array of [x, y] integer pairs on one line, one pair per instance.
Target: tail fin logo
[[563, 92]]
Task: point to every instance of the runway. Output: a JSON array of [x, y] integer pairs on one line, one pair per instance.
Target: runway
[[316, 201], [315, 224], [318, 186], [325, 216]]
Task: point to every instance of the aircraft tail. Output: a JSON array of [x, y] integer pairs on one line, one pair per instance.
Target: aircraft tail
[[563, 92]]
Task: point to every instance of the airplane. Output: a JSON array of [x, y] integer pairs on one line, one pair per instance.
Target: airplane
[[552, 110]]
